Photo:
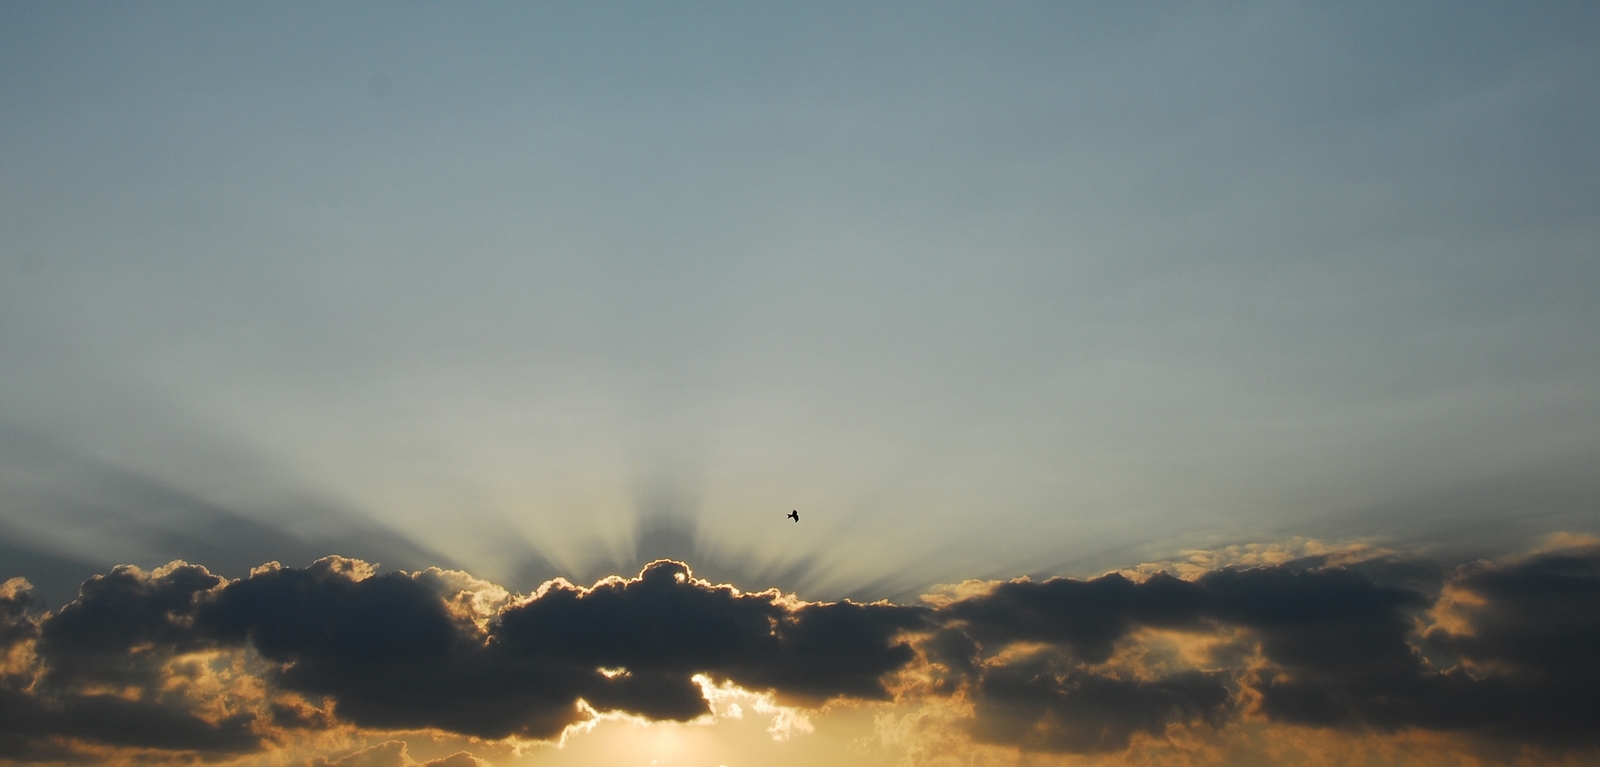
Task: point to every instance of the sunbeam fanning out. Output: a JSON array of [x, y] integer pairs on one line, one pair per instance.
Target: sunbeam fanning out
[[935, 384]]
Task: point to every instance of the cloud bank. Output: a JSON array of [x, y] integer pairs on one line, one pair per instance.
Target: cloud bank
[[182, 664]]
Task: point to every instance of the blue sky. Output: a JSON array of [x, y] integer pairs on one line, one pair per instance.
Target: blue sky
[[983, 291], [1013, 286]]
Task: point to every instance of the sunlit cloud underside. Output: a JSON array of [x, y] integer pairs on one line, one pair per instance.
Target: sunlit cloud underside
[[1302, 654]]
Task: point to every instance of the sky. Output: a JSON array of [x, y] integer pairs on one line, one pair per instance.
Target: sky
[[1168, 383]]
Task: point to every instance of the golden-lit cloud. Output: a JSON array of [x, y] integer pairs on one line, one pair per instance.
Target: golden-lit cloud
[[1292, 654]]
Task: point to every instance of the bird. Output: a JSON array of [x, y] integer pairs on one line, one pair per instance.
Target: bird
[[794, 515]]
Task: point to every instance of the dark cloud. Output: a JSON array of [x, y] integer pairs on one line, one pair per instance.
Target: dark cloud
[[31, 722], [391, 652], [663, 624], [15, 625], [1533, 626], [1324, 623], [1345, 650], [394, 653], [115, 639], [1339, 649], [1056, 700], [1503, 650], [1086, 616], [1339, 646], [93, 640], [1540, 618], [1043, 704]]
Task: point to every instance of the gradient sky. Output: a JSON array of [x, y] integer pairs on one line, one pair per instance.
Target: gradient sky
[[982, 291]]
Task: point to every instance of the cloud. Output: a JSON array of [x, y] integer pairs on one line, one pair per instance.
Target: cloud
[[428, 650], [1086, 617], [93, 640], [457, 759], [390, 753], [1045, 705], [181, 662], [395, 654], [104, 677], [393, 753], [15, 627], [1312, 644]]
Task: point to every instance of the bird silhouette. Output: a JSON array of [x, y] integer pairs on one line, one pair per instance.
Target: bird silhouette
[[794, 515]]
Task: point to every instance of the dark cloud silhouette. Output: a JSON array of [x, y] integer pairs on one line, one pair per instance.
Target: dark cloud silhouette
[[1540, 618], [1345, 649], [391, 652], [1046, 705], [1502, 650], [92, 640], [1533, 626], [1339, 650], [395, 654], [116, 637], [31, 725], [1086, 616], [401, 651], [15, 603], [1054, 701]]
